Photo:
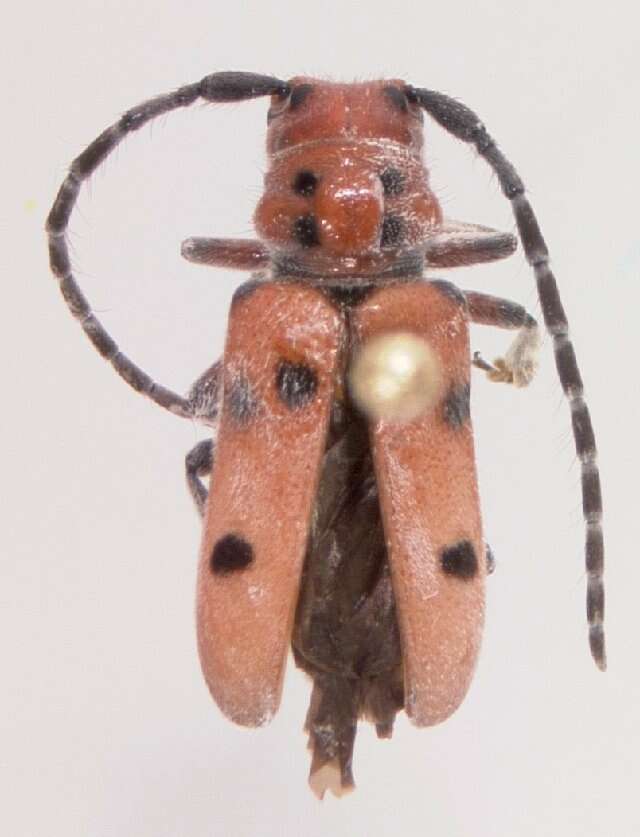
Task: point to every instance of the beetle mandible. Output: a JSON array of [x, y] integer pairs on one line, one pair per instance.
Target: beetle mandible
[[342, 513]]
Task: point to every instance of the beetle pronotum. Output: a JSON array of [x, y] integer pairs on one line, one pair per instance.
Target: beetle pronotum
[[342, 513]]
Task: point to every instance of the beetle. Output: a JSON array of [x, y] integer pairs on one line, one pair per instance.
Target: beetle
[[342, 514]]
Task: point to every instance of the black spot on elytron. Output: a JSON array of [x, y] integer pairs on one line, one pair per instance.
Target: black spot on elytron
[[392, 182], [397, 97], [456, 405], [305, 231], [230, 554], [240, 400], [298, 95], [296, 383], [450, 290], [305, 183], [460, 560], [392, 230]]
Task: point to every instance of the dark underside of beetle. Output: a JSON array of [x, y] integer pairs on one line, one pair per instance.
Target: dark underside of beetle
[[346, 633]]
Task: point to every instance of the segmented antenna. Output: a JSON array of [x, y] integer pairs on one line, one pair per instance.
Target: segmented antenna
[[463, 123], [218, 87]]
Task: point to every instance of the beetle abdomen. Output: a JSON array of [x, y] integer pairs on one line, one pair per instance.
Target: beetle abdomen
[[346, 632]]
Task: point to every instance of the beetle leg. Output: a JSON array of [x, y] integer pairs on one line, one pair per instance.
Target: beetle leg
[[331, 724], [204, 395], [456, 243], [519, 364], [235, 253], [198, 463], [203, 400]]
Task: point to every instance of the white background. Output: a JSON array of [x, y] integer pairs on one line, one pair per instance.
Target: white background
[[107, 727]]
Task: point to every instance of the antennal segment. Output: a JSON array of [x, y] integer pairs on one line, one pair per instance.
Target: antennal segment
[[218, 87], [464, 124]]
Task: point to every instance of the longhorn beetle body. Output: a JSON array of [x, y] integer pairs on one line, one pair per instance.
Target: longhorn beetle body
[[342, 513]]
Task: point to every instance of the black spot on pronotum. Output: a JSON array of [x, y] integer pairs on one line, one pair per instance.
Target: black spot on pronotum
[[240, 401], [305, 231], [397, 97], [230, 554], [392, 182], [298, 95], [296, 383], [456, 405], [392, 229], [460, 560], [305, 183]]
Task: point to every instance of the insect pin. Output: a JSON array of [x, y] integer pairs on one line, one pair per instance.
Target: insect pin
[[342, 515]]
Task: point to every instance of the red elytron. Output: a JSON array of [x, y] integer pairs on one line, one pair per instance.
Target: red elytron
[[342, 517]]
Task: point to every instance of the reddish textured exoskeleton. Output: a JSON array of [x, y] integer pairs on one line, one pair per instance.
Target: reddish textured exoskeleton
[[352, 536]]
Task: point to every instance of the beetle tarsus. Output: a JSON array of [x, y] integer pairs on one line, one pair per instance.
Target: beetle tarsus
[[480, 363], [519, 364]]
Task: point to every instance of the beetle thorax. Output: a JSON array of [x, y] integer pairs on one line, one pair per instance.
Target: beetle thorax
[[346, 193]]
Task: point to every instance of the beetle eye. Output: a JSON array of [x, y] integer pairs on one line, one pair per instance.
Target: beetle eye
[[411, 95], [283, 93], [299, 95], [305, 183], [288, 99], [279, 101], [396, 97], [414, 104]]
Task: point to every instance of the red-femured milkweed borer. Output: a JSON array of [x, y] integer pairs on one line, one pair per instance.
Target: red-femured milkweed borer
[[342, 514]]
